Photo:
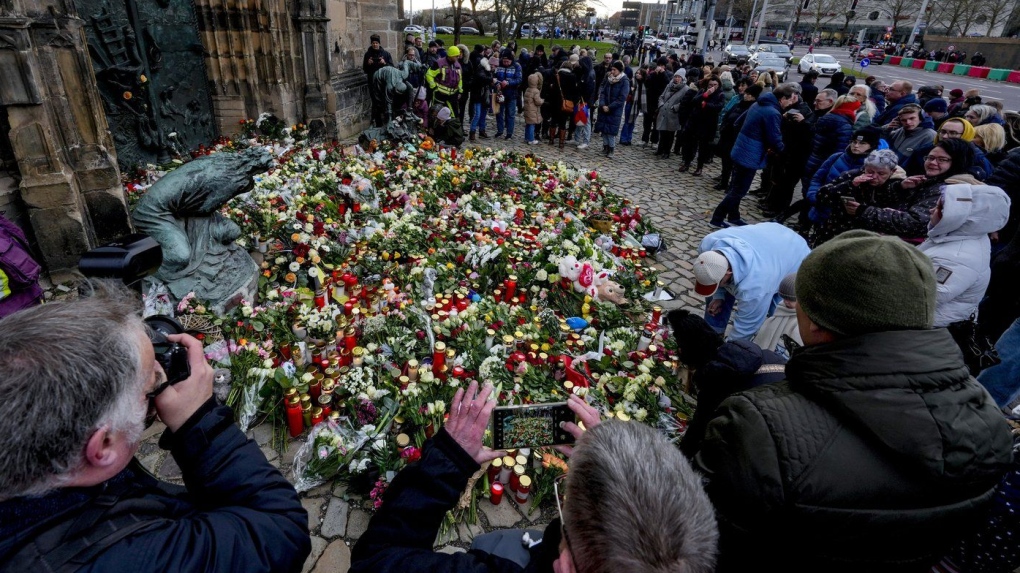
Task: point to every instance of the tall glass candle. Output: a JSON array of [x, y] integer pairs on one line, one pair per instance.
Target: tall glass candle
[[439, 357]]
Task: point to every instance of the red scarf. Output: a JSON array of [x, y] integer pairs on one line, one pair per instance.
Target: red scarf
[[847, 110]]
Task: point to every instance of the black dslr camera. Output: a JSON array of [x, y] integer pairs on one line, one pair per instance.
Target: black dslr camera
[[130, 259]]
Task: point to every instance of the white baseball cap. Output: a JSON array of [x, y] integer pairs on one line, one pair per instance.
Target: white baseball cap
[[709, 269]]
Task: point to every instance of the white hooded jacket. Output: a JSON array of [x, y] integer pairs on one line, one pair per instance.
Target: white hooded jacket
[[959, 248]]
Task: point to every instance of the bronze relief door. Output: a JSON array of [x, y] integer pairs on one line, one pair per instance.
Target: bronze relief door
[[150, 68]]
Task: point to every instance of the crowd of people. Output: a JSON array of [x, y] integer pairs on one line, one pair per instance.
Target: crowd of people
[[839, 424]]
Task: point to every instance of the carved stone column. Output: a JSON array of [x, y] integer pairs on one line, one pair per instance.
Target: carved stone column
[[319, 97], [70, 183]]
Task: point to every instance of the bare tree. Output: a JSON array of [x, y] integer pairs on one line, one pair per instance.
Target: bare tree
[[474, 16], [898, 10], [996, 11], [823, 11]]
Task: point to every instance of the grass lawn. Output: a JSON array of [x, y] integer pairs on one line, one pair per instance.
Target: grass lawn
[[470, 40]]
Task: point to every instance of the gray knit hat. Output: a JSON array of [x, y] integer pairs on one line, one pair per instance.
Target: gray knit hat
[[787, 287], [861, 282]]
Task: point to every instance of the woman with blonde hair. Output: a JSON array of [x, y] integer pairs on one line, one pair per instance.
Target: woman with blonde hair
[[867, 110], [766, 81], [991, 138]]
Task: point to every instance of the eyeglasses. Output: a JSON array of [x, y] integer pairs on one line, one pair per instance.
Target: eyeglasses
[[938, 159], [948, 133], [559, 508]]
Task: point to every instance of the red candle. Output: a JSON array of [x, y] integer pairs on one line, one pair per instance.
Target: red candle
[[494, 469], [458, 371], [320, 299], [348, 308], [439, 358], [295, 423], [656, 315], [496, 493], [350, 339], [315, 389], [350, 281], [317, 415], [325, 403], [510, 286]]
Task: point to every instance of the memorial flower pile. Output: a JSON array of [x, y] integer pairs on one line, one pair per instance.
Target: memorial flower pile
[[390, 278]]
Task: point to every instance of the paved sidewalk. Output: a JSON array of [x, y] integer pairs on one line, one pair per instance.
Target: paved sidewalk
[[678, 204]]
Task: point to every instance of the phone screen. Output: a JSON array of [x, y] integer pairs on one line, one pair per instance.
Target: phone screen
[[529, 426]]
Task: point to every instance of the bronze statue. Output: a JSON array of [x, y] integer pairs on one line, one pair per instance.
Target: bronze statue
[[181, 212]]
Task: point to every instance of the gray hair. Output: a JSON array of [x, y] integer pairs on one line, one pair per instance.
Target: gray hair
[[829, 94], [635, 504], [983, 111], [786, 90], [67, 368], [882, 159]]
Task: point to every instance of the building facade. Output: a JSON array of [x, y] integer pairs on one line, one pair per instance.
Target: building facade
[[91, 88]]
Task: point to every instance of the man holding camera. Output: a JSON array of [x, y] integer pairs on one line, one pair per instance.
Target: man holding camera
[[632, 502], [78, 378]]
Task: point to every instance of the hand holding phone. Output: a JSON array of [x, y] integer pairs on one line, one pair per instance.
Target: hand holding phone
[[532, 425]]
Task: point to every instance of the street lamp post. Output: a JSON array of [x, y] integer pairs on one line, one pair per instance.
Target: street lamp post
[[761, 20], [750, 21], [917, 23]]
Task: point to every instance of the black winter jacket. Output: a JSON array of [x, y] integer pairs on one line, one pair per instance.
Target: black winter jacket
[[1006, 176], [400, 536], [734, 368], [874, 455], [238, 514]]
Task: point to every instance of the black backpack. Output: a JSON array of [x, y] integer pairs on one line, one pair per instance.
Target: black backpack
[[72, 539]]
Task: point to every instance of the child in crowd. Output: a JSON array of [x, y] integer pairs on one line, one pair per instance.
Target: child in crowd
[[783, 321], [533, 107]]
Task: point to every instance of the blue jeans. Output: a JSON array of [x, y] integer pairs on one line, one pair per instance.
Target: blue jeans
[[608, 140], [740, 184], [478, 121], [506, 116], [529, 132], [719, 321], [1003, 380], [583, 133], [627, 134]]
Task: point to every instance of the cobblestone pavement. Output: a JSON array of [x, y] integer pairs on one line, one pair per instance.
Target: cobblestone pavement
[[678, 204]]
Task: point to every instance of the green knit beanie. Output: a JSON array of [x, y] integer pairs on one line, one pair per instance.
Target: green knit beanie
[[862, 282]]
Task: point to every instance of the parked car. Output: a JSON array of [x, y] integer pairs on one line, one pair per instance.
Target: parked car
[[676, 42], [781, 50], [414, 29], [650, 41], [470, 31], [736, 53], [876, 55], [771, 62], [824, 64]]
